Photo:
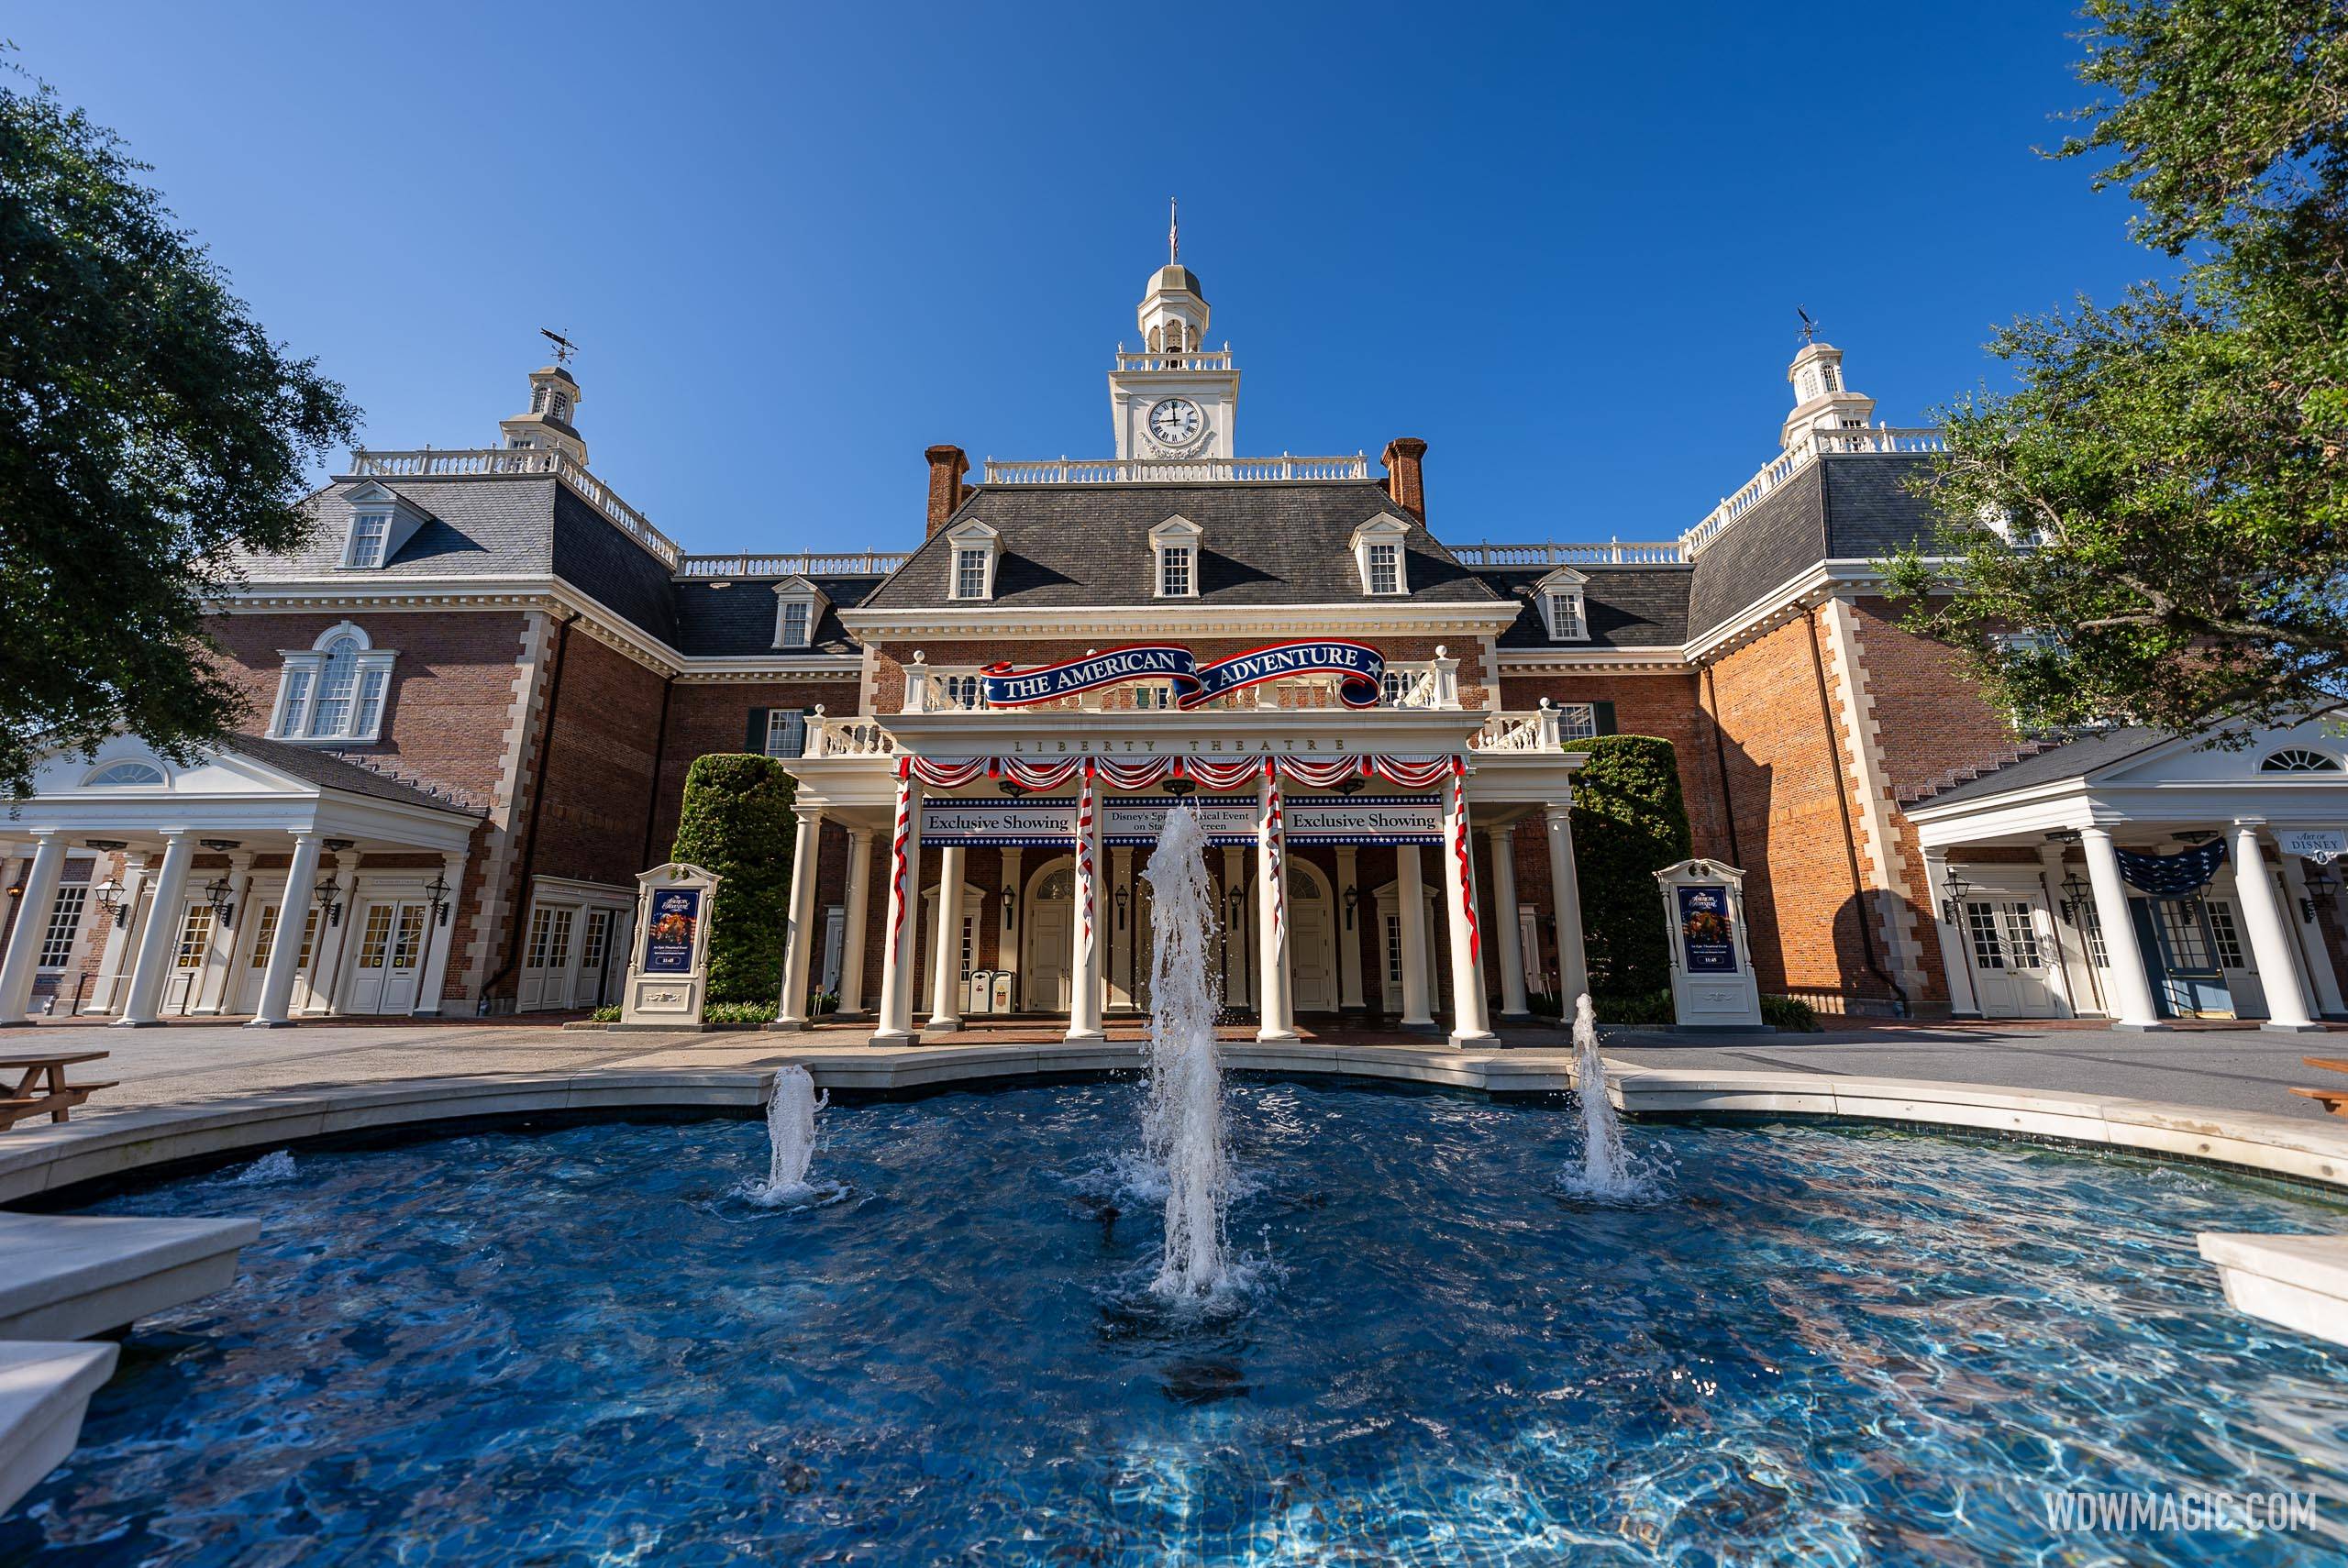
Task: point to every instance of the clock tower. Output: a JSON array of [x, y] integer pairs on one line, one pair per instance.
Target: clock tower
[[1176, 398]]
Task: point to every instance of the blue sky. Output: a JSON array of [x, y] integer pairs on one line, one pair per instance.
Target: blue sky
[[1564, 245]]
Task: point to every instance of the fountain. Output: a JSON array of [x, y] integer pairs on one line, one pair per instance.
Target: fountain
[[791, 1138], [1183, 1121], [1605, 1172]]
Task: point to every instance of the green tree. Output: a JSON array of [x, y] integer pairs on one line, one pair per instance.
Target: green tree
[[736, 820], [2161, 504], [148, 431], [1629, 822]]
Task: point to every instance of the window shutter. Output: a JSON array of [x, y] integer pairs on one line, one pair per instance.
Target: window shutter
[[755, 742], [1603, 717]]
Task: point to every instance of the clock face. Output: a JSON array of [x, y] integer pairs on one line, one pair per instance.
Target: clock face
[[1175, 422]]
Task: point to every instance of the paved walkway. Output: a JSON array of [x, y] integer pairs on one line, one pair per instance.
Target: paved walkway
[[2235, 1069]]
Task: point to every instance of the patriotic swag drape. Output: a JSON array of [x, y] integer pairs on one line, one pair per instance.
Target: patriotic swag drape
[[2172, 876]]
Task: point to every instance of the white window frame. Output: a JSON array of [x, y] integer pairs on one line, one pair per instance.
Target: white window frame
[[783, 723], [1568, 590], [301, 690], [1174, 545], [96, 779], [971, 538], [797, 593], [61, 934], [380, 526], [1383, 529]]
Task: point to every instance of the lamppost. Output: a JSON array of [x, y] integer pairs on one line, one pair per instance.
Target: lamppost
[[1956, 886], [2321, 886], [438, 891], [2077, 892]]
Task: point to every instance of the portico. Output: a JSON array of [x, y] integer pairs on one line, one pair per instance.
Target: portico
[[265, 880], [2145, 878]]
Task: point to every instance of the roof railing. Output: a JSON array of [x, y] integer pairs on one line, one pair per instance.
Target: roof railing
[[1572, 552], [1286, 468], [1880, 439], [465, 461], [848, 563]]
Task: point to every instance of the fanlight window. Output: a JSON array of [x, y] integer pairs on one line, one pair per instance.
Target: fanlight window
[[2298, 759], [335, 689], [126, 774], [1057, 886]]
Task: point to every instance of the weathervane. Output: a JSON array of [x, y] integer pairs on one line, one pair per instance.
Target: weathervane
[[563, 346], [1809, 328], [1173, 232]]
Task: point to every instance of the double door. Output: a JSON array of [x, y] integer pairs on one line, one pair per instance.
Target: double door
[[387, 966]]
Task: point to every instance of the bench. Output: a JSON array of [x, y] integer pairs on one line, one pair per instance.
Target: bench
[[33, 1097], [2332, 1100]]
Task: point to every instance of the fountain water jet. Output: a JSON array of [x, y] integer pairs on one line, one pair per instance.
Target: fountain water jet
[[791, 1137], [1183, 1121], [1605, 1168]]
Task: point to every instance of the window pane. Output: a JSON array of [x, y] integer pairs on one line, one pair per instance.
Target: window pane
[[539, 921], [64, 924], [297, 702], [786, 732], [969, 574], [559, 940], [2181, 933], [196, 937], [2226, 935], [367, 534], [1981, 919], [794, 625], [370, 703], [2021, 936], [409, 940], [337, 683], [1384, 570], [376, 941]]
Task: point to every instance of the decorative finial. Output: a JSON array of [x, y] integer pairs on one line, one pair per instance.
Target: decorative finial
[[1173, 232], [563, 346]]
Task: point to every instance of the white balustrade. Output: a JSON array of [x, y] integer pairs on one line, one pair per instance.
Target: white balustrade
[[1285, 468], [1217, 360], [467, 461], [848, 737], [843, 563]]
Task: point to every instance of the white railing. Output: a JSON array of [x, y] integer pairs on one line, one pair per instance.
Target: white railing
[[1882, 439], [1178, 471], [463, 461], [846, 563], [1572, 552], [1219, 359], [1546, 730], [848, 737]]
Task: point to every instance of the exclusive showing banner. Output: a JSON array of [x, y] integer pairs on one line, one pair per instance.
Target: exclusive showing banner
[[1360, 668], [1051, 825]]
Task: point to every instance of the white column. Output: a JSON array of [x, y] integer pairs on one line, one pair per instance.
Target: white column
[[1006, 942], [2310, 932], [1410, 903], [2131, 999], [335, 935], [220, 963], [1565, 895], [1506, 940], [1471, 1026], [1085, 935], [2058, 973], [1275, 1012], [1348, 938], [428, 1001], [799, 936], [1954, 961], [946, 953], [852, 920], [158, 941], [1121, 921], [2286, 1003], [111, 963], [897, 936], [286, 941], [16, 970]]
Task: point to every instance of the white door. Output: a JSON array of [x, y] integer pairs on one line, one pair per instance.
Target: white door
[[2011, 952], [1389, 950], [594, 950], [546, 958], [835, 946], [1051, 936], [257, 958], [389, 965], [189, 951], [2235, 961], [1312, 957]]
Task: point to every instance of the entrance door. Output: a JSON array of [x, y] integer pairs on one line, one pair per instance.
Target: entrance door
[[2011, 958], [193, 946], [2190, 984], [545, 961], [1390, 949], [2234, 962], [1051, 939], [389, 966], [595, 951], [257, 959], [1313, 955]]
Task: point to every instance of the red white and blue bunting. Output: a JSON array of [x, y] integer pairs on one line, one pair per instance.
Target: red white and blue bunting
[[1458, 826], [898, 840], [2172, 875], [1275, 861], [1207, 773], [1084, 863]]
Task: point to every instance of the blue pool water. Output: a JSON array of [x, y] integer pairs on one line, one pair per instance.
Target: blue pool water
[[1816, 1345]]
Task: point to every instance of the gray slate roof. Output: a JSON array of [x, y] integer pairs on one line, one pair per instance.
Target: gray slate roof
[[1850, 506], [1077, 547], [2075, 758], [1627, 606], [331, 772], [739, 620]]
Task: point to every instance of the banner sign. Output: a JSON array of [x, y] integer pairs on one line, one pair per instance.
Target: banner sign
[[1705, 939], [668, 946], [2322, 845], [1360, 668], [1051, 824]]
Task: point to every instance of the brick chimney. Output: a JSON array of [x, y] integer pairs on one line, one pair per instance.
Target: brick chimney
[[947, 467], [1404, 481]]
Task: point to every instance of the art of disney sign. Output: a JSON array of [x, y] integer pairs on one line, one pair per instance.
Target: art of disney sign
[[1359, 666]]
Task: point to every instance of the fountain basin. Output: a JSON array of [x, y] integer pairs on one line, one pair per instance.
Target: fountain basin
[[1825, 1343]]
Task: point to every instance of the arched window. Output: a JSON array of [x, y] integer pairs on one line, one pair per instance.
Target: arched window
[[338, 685], [335, 689], [127, 776], [2298, 759], [1057, 886], [1301, 887]]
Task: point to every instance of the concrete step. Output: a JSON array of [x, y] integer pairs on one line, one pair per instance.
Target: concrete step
[[68, 1276], [45, 1389]]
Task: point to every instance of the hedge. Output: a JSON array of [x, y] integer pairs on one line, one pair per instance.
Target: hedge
[[1629, 822], [737, 821]]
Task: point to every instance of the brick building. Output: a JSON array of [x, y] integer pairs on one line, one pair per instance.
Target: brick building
[[476, 692]]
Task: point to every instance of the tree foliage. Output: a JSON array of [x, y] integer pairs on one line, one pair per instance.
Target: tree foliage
[[1629, 822], [736, 820], [2160, 506], [148, 431]]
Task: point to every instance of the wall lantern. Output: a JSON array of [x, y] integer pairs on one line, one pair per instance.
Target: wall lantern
[[219, 894], [1010, 907], [1957, 886], [109, 894], [2321, 884], [1238, 906], [2076, 891], [1353, 897], [438, 891], [328, 895]]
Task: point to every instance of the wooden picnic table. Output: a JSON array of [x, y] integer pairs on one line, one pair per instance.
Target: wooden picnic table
[[30, 1097], [2332, 1100]]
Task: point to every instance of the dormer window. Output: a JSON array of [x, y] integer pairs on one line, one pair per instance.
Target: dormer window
[[333, 690], [796, 615], [970, 568], [380, 523], [1565, 610], [368, 532], [798, 605], [1174, 554], [1380, 556]]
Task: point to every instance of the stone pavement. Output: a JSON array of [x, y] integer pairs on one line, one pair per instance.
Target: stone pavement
[[2236, 1069]]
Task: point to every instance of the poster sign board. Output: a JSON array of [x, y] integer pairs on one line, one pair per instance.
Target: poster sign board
[[2322, 845], [668, 974], [1712, 962]]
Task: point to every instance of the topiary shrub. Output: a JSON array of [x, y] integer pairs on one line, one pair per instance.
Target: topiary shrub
[[1629, 822], [737, 821], [1790, 1013]]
